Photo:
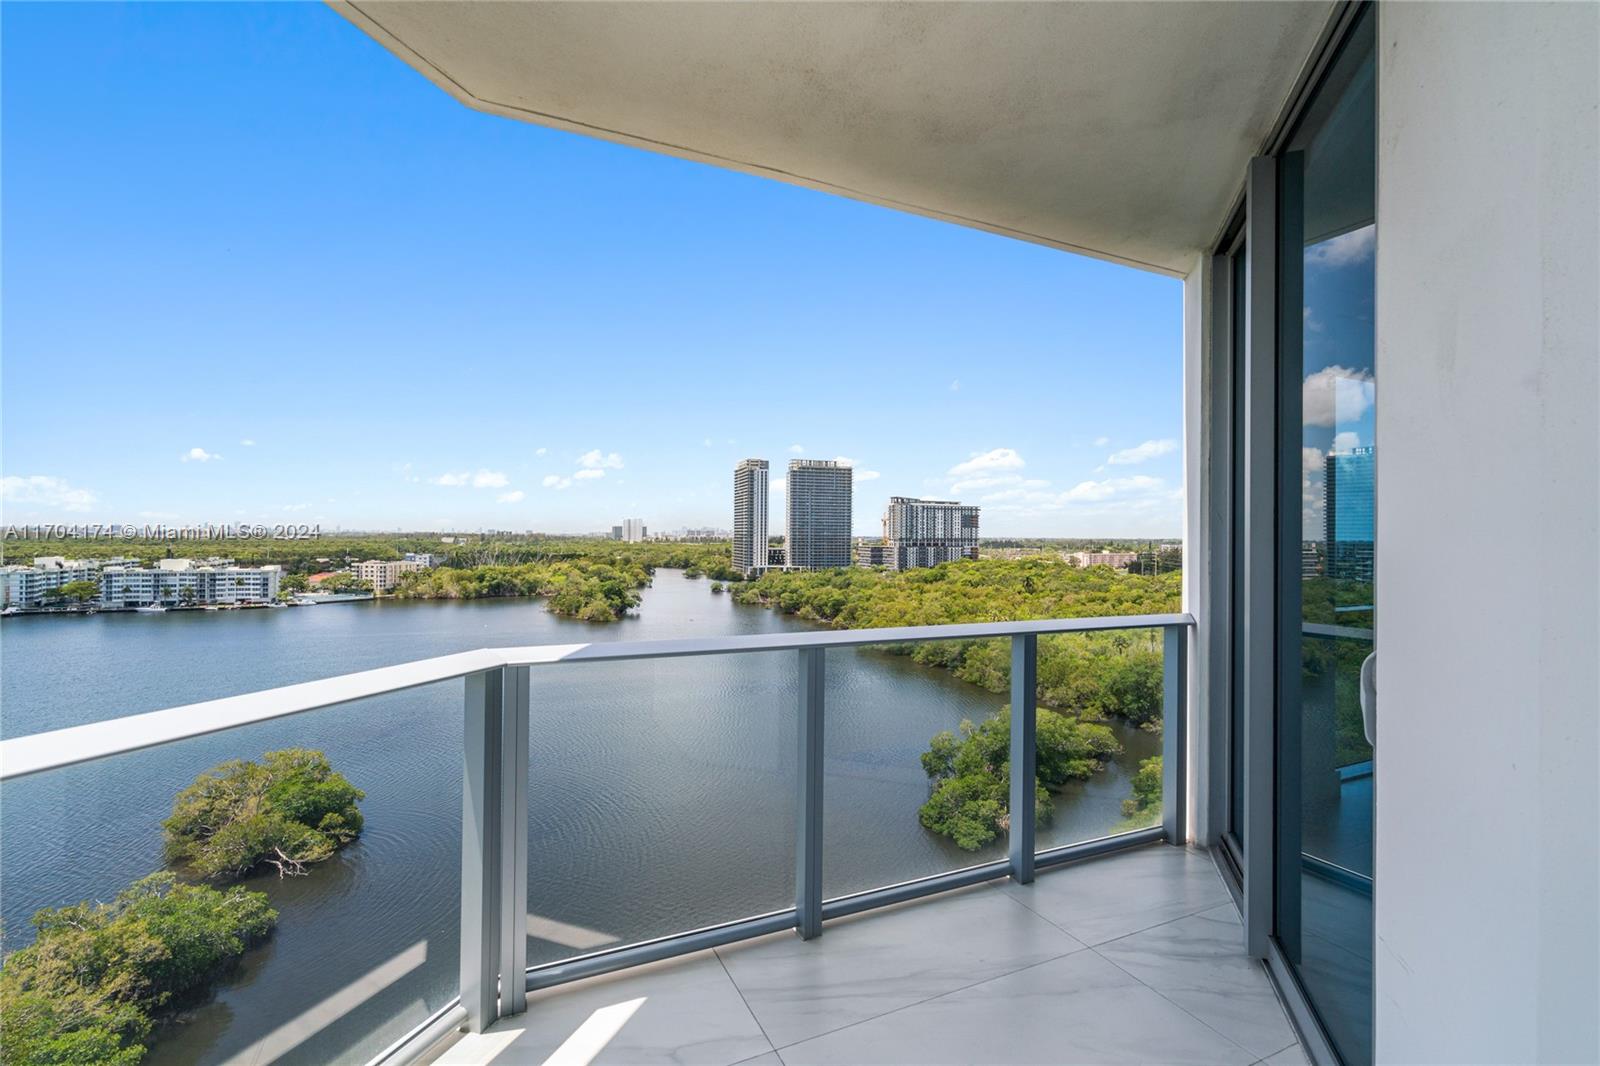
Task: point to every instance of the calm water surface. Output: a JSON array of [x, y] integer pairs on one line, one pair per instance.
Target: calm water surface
[[661, 793]]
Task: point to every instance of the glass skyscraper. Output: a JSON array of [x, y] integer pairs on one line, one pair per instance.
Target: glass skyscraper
[[1347, 513]]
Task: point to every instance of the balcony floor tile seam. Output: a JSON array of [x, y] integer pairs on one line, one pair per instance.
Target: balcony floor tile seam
[[772, 1048], [927, 999], [1121, 936], [1280, 1051], [774, 1054], [1178, 1005]]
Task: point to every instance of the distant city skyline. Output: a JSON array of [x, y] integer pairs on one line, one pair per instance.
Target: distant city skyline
[[557, 332]]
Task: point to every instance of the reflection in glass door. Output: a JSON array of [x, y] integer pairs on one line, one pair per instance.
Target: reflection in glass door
[[1327, 462], [1234, 837]]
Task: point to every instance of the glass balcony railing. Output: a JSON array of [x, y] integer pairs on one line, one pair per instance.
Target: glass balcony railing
[[591, 807], [363, 942]]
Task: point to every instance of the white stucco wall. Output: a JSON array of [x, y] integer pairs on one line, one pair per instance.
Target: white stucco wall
[[1488, 823]]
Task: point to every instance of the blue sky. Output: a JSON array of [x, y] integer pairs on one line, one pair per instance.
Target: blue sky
[[256, 269]]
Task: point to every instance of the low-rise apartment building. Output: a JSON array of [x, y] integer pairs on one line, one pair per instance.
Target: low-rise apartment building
[[178, 582], [384, 574], [27, 586], [126, 583], [1115, 560]]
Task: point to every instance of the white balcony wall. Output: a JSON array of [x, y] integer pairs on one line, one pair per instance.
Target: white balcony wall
[[1487, 947]]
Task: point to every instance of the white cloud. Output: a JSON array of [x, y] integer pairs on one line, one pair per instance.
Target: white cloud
[[45, 491], [248, 443], [983, 462], [297, 507], [514, 496], [798, 449], [856, 472], [1348, 441], [1101, 442], [955, 386], [540, 451], [596, 460], [1336, 394], [1311, 492], [1138, 499], [198, 455], [1345, 249], [1104, 490], [1140, 453], [974, 484], [706, 442], [483, 479], [589, 473], [556, 481]]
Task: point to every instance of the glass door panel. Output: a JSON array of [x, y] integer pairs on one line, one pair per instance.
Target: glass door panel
[[1327, 465], [1235, 834]]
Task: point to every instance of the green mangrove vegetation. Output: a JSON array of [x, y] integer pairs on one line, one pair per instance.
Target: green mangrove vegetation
[[91, 986], [591, 580], [586, 589], [970, 774], [99, 978], [288, 811], [1083, 679]]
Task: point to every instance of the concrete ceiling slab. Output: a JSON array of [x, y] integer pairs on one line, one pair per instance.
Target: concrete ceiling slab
[[1118, 130]]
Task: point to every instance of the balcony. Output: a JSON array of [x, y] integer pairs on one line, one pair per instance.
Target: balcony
[[1133, 957], [1051, 942]]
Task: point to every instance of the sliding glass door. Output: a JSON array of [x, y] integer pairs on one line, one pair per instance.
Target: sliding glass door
[[1326, 470], [1296, 385]]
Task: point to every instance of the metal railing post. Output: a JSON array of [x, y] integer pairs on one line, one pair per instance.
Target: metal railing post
[[513, 857], [808, 815], [480, 846], [1174, 732], [1024, 753]]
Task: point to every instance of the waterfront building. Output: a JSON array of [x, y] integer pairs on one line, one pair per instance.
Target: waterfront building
[[124, 583], [29, 586], [919, 533], [1347, 513], [817, 501], [777, 558], [384, 574], [176, 582], [750, 517]]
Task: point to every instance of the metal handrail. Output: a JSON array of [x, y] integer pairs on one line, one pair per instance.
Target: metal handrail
[[1333, 632], [57, 748]]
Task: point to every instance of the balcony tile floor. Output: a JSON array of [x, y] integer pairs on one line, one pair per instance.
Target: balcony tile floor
[[1132, 958]]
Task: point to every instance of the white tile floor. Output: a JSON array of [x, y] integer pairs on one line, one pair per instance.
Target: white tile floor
[[1134, 958]]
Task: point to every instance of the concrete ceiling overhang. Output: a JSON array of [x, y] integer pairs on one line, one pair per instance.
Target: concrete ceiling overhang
[[1118, 130]]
